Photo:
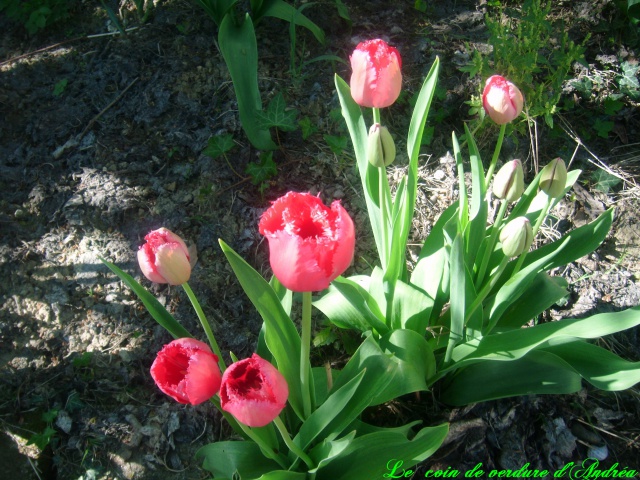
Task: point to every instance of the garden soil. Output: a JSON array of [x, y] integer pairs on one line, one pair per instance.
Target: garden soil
[[101, 141]]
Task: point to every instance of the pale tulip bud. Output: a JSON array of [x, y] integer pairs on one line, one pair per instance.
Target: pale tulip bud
[[502, 100], [381, 149], [508, 184], [516, 236], [554, 178]]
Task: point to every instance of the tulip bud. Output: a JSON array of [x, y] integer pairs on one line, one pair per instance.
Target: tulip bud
[[164, 258], [187, 370], [253, 391], [376, 79], [509, 181], [554, 178], [502, 100], [516, 236], [381, 149]]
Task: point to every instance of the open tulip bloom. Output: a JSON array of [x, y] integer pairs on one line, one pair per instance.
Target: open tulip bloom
[[459, 317]]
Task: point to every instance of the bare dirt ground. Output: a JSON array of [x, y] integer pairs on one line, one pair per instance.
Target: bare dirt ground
[[88, 171]]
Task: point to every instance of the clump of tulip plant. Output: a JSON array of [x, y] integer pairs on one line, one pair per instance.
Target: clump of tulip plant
[[477, 283]]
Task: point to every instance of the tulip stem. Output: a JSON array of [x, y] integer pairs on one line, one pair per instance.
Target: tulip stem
[[268, 451], [486, 289], [496, 153], [536, 227], [305, 349], [205, 325], [292, 446], [492, 241]]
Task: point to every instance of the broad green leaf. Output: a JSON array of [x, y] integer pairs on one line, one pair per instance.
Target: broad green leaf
[[217, 9], [478, 210], [402, 355], [514, 344], [348, 305], [543, 292], [229, 459], [352, 114], [431, 272], [262, 170], [281, 335], [240, 51], [153, 306], [572, 246], [367, 457], [330, 418], [598, 366], [463, 211], [283, 475], [284, 294], [411, 307], [284, 11], [458, 297], [536, 373]]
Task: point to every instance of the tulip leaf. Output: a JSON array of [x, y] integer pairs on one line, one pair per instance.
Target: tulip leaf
[[411, 307], [402, 355], [239, 48], [153, 306], [283, 475], [230, 459], [572, 246], [281, 335], [543, 292], [284, 11], [348, 305], [538, 372], [515, 344], [601, 368], [338, 411], [369, 456], [478, 210], [369, 175]]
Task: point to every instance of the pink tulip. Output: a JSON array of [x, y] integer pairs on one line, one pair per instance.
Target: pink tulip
[[502, 100], [253, 391], [187, 370], [164, 258], [376, 79], [310, 244]]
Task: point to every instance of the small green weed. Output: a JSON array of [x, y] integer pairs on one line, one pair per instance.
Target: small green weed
[[42, 439], [262, 170], [36, 15]]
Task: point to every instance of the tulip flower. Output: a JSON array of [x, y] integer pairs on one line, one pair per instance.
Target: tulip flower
[[253, 391], [381, 149], [376, 79], [164, 258], [553, 178], [516, 237], [508, 183], [310, 244], [502, 100], [187, 370]]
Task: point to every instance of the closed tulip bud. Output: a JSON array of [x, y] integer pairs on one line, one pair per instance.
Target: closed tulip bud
[[187, 370], [381, 149], [253, 391], [502, 100], [554, 178], [508, 184], [376, 79], [164, 258], [516, 236]]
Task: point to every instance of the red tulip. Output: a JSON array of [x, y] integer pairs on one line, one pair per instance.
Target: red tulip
[[164, 258], [187, 370], [310, 244], [253, 391], [501, 100], [376, 79]]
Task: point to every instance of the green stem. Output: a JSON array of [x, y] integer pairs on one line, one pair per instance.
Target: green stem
[[486, 289], [305, 349], [536, 227], [492, 241], [205, 325], [376, 115], [292, 446], [496, 154], [268, 451]]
